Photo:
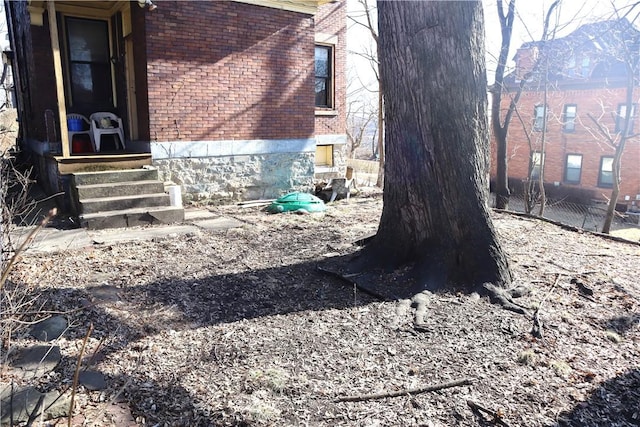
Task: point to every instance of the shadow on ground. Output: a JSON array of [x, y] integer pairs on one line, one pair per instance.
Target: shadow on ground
[[192, 304], [615, 403]]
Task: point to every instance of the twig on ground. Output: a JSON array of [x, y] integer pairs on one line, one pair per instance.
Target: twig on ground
[[496, 415], [436, 387], [76, 375], [34, 414], [536, 329]]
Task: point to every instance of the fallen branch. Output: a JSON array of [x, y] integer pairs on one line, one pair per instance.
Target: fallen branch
[[496, 415], [436, 387], [76, 374]]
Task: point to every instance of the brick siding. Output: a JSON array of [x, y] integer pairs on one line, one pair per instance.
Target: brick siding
[[224, 71], [332, 19], [586, 139]]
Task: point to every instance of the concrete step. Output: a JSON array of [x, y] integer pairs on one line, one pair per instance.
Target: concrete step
[[88, 206], [114, 189], [124, 175], [132, 217]]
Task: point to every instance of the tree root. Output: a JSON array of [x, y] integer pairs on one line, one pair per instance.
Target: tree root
[[504, 298], [436, 387]]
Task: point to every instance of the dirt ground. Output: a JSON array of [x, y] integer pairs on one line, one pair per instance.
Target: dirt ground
[[238, 327]]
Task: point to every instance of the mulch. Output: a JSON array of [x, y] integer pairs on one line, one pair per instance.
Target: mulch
[[239, 327]]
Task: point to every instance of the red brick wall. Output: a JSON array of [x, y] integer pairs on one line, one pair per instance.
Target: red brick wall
[[332, 19], [586, 140], [223, 70]]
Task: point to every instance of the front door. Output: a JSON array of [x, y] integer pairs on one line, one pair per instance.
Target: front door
[[89, 73]]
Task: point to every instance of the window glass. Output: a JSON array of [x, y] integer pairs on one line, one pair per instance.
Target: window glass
[[536, 163], [573, 168], [538, 122], [89, 64], [606, 172], [323, 74], [622, 115], [570, 112]]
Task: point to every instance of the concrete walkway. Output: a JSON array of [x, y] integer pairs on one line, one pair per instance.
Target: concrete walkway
[[54, 240]]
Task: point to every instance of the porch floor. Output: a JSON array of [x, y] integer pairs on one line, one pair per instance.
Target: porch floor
[[101, 161]]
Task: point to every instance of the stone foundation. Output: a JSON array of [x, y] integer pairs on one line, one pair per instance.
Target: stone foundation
[[206, 174]]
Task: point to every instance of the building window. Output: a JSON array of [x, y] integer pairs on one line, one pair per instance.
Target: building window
[[324, 155], [324, 73], [89, 64], [605, 177], [537, 159], [573, 168], [586, 62], [539, 119], [569, 117], [622, 115]]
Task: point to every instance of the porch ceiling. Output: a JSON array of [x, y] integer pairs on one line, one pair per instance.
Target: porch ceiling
[[108, 8], [88, 8]]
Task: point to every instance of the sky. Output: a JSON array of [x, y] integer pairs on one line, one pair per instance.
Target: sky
[[527, 27]]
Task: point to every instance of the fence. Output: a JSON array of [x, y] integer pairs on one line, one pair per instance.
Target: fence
[[365, 172], [588, 217]]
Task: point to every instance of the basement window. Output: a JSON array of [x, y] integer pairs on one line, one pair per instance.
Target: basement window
[[324, 155]]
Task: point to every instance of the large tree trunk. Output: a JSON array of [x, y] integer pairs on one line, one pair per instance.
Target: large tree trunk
[[435, 215]]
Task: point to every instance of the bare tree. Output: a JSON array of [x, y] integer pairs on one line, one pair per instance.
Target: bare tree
[[626, 51], [366, 18], [359, 117], [500, 123]]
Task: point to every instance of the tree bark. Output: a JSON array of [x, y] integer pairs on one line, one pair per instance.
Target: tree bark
[[435, 215]]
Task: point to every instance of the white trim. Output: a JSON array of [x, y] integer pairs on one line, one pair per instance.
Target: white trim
[[308, 7], [326, 38], [331, 139], [326, 169], [326, 112], [190, 149]]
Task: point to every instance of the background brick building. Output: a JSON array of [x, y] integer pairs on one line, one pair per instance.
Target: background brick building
[[583, 79]]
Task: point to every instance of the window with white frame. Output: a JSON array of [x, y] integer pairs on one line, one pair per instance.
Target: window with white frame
[[605, 176], [622, 115], [539, 112], [569, 117], [573, 168], [537, 159]]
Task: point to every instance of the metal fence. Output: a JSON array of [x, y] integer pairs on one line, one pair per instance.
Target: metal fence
[[588, 217]]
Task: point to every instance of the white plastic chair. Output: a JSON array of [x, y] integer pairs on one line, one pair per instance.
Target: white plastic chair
[[80, 132], [102, 123]]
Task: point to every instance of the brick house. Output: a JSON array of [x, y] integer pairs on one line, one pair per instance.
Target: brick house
[[586, 80], [217, 95]]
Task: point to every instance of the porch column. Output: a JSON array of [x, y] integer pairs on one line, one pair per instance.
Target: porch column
[[57, 67]]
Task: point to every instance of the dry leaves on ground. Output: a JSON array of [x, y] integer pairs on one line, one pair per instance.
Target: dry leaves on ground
[[238, 327]]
